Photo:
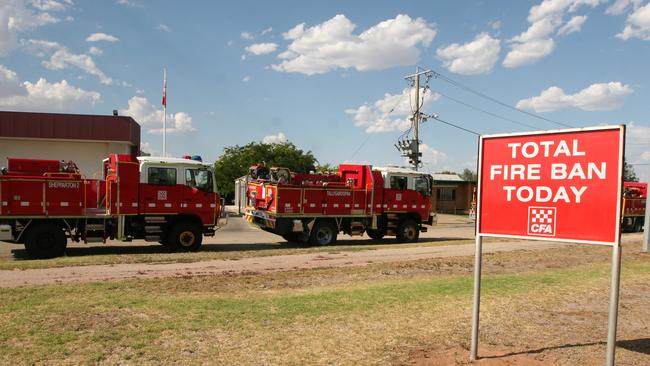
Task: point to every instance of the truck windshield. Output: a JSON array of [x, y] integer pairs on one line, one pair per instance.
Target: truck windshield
[[422, 185], [200, 179]]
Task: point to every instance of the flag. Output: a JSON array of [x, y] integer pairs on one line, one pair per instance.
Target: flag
[[164, 97]]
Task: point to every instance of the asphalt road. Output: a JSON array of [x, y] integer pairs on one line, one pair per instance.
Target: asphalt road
[[237, 234]]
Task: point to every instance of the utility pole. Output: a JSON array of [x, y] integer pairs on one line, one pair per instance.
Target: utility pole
[[411, 148], [416, 119]]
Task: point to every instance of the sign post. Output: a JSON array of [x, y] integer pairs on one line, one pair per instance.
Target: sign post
[[560, 185]]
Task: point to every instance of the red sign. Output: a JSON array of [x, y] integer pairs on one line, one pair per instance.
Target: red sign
[[555, 185]]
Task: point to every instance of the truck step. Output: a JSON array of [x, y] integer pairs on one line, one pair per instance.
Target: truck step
[[154, 219], [153, 229], [152, 238], [391, 216], [94, 227], [391, 224], [424, 229], [356, 232], [390, 232]]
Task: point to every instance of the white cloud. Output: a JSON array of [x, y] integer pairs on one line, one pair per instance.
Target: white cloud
[[636, 132], [247, 36], [95, 51], [378, 117], [267, 30], [536, 42], [280, 138], [596, 97], [332, 44], [41, 95], [573, 25], [495, 24], [620, 6], [163, 27], [431, 157], [147, 148], [472, 58], [246, 78], [22, 15], [97, 37], [645, 155], [261, 48], [62, 58], [637, 24], [151, 118]]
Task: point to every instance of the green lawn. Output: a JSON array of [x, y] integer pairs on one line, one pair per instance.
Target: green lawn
[[375, 314]]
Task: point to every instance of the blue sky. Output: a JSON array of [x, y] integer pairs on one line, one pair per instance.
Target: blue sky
[[325, 74]]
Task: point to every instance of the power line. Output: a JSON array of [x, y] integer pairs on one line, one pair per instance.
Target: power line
[[482, 95], [382, 117], [454, 125], [484, 111]]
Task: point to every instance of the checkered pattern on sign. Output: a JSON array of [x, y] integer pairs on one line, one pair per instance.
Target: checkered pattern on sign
[[541, 216]]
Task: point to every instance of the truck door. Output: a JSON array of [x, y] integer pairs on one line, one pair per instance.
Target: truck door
[[199, 197], [161, 194]]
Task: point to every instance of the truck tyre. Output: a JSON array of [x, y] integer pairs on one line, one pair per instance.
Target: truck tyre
[[638, 225], [45, 240], [376, 234], [408, 231], [323, 233], [185, 237]]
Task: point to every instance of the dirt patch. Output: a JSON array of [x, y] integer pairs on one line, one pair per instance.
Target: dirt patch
[[489, 356], [11, 278]]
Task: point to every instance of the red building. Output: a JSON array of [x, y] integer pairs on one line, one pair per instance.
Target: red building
[[86, 139]]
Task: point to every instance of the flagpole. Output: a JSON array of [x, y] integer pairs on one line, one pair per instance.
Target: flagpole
[[165, 112]]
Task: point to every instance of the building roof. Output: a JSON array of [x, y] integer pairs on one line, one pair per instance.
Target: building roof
[[394, 169], [446, 177], [171, 161], [58, 126]]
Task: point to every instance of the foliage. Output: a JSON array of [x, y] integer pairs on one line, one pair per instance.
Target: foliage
[[447, 172], [327, 168], [469, 175], [629, 175], [236, 160]]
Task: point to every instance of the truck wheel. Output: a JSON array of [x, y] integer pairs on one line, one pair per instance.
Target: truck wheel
[[185, 237], [377, 234], [324, 233], [638, 226], [408, 231], [45, 240]]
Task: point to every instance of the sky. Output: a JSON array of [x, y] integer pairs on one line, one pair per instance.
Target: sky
[[328, 76]]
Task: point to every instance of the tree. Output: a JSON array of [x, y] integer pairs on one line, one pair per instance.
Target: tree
[[327, 168], [469, 175], [236, 160], [628, 172], [447, 172]]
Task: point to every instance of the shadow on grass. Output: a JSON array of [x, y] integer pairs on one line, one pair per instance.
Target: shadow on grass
[[641, 345], [155, 248]]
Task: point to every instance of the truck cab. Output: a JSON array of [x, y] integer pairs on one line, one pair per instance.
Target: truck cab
[[412, 187]]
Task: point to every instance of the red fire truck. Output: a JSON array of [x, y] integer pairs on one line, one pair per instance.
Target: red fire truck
[[168, 200], [314, 208], [634, 202]]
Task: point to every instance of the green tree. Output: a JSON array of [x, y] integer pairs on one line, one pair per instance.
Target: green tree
[[236, 160], [469, 175], [629, 175], [327, 168]]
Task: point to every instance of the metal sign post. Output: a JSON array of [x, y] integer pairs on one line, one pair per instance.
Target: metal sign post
[[548, 184], [646, 224]]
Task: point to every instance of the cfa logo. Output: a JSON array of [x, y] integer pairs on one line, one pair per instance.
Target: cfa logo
[[541, 221]]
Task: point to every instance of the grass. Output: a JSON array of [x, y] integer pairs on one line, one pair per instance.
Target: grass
[[375, 314]]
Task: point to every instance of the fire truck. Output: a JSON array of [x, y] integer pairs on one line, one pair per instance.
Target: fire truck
[[634, 203], [43, 203], [315, 208]]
